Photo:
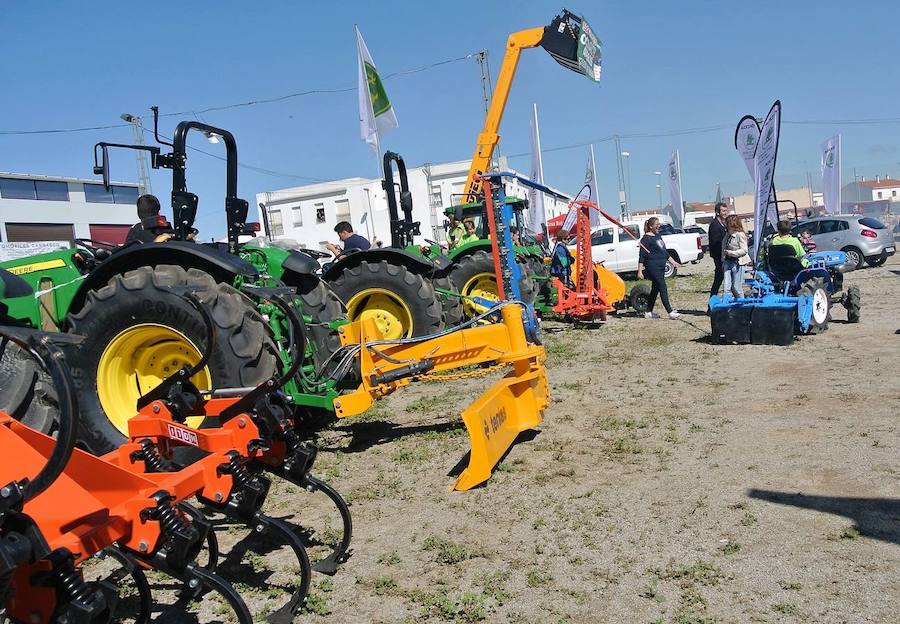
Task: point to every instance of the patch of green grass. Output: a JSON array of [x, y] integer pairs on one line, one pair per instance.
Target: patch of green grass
[[700, 572], [625, 445], [389, 559], [847, 533], [317, 600], [786, 608], [411, 455], [730, 548], [448, 552], [494, 586], [748, 519], [787, 586], [470, 607], [694, 428], [428, 403], [385, 585], [538, 578]]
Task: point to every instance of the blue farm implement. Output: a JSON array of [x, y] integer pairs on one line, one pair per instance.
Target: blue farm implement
[[787, 299]]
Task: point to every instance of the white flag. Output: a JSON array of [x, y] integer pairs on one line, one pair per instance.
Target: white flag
[[376, 114], [831, 174], [588, 192], [746, 136], [674, 171], [765, 208], [537, 217]]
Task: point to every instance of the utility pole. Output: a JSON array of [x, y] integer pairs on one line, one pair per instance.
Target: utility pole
[[623, 200], [487, 93], [659, 189], [143, 169]]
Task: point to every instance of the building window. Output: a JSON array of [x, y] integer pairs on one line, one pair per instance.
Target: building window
[[436, 197], [320, 213], [275, 223], [12, 188], [51, 191], [125, 195], [342, 209], [298, 216], [15, 188], [879, 194], [894, 193], [96, 194]]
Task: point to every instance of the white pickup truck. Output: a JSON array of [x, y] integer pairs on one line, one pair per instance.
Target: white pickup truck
[[619, 252]]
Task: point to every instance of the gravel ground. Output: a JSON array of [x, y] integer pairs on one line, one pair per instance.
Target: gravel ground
[[673, 480]]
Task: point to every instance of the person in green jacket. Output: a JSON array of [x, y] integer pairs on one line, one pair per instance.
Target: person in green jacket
[[455, 231], [784, 237], [470, 236]]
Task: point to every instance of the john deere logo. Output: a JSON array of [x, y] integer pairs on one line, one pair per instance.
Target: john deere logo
[[673, 172], [380, 101], [770, 133], [750, 140], [829, 158]]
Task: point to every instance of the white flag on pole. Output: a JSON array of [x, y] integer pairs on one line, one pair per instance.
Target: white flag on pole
[[746, 136], [588, 192], [831, 174], [765, 208], [674, 171], [376, 113], [537, 217]]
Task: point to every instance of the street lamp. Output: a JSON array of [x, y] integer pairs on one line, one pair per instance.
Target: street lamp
[[142, 168], [659, 189]]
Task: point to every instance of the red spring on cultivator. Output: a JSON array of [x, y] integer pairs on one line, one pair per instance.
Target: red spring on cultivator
[[132, 504]]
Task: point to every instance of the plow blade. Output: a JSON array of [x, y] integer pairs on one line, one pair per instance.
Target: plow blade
[[512, 405]]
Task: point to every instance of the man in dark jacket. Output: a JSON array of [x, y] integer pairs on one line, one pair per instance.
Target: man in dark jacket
[[152, 227], [717, 233]]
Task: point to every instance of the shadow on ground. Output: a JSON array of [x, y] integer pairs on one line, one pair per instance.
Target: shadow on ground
[[878, 518]]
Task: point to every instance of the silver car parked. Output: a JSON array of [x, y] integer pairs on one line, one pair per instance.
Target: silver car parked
[[865, 240]]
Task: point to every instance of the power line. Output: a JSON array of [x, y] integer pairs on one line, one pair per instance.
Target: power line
[[279, 98]]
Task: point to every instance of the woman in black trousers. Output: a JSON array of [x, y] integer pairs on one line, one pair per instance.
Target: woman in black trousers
[[652, 258]]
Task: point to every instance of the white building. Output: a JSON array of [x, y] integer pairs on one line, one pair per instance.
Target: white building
[[309, 213], [48, 208], [881, 188]]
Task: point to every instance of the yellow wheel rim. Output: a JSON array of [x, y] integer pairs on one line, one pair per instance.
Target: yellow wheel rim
[[137, 360], [390, 313], [482, 285]]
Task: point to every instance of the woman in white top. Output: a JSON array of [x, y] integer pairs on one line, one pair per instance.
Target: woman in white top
[[735, 256]]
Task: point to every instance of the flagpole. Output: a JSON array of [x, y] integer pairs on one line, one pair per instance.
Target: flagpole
[[840, 200], [540, 164], [596, 200]]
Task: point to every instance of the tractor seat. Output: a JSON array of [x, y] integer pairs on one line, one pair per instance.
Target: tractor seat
[[783, 264]]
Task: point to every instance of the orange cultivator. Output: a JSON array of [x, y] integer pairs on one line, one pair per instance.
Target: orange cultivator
[[588, 301], [132, 503]]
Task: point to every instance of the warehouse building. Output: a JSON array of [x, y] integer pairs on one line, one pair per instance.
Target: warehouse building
[[49, 208], [308, 214]]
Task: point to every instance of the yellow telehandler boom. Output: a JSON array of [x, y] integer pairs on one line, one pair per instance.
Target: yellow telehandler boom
[[570, 41]]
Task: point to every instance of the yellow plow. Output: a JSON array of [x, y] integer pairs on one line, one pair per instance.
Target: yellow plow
[[515, 403]]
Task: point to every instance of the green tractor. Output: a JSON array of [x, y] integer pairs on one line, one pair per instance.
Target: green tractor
[[137, 331], [472, 270], [405, 291]]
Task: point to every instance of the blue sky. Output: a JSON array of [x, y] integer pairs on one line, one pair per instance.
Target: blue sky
[[666, 66]]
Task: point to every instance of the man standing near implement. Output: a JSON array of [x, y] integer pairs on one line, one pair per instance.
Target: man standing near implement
[[717, 232]]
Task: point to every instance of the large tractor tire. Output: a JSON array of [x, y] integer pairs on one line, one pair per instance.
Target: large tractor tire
[[26, 390], [473, 275], [138, 332], [852, 303], [323, 307], [821, 304], [451, 306], [402, 303]]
